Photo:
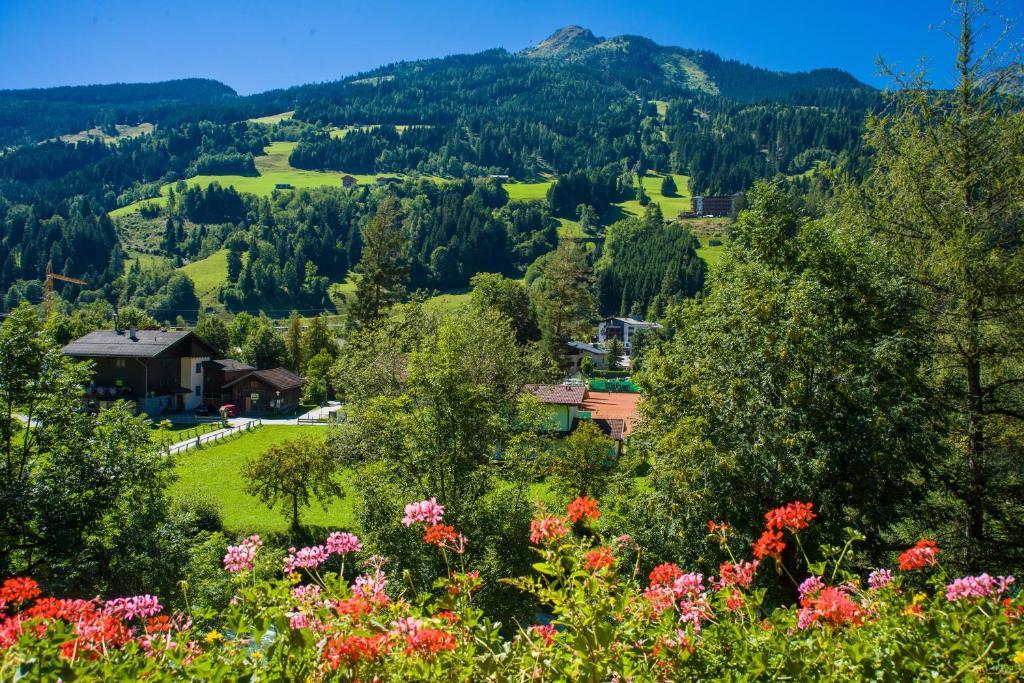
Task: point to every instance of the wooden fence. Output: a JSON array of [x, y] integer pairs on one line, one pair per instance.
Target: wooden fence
[[212, 437]]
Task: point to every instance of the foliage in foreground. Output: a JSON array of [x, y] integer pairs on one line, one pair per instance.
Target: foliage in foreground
[[605, 622]]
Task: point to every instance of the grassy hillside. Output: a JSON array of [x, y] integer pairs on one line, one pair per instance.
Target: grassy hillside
[[208, 275], [273, 118], [273, 169], [670, 206], [527, 191]]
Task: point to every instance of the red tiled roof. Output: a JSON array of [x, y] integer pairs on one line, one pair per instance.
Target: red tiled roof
[[605, 405], [557, 394]]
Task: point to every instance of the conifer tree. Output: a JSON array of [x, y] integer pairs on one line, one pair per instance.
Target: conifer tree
[[381, 273], [945, 195], [293, 342]]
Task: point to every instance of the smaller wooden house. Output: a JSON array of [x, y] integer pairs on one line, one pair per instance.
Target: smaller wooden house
[[275, 390], [349, 181], [219, 373]]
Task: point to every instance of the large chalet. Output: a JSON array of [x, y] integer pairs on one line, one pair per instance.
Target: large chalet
[[160, 370]]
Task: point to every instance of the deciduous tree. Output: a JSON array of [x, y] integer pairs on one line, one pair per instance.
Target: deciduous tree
[[293, 474]]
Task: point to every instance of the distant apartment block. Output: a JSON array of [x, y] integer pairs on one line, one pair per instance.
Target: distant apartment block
[[623, 329], [711, 206]]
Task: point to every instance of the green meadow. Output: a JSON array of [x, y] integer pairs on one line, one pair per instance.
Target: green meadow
[[213, 473], [273, 169], [208, 275], [273, 118], [526, 191], [670, 206]]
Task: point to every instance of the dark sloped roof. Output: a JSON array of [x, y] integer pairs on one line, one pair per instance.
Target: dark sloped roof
[[278, 378], [557, 394], [108, 343], [612, 428], [229, 364], [589, 348]]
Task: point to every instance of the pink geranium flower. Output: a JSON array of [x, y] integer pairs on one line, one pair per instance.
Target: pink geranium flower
[[242, 556], [341, 543], [306, 558], [424, 512]]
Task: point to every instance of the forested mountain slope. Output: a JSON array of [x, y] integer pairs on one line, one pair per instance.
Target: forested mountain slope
[[39, 113], [588, 114]]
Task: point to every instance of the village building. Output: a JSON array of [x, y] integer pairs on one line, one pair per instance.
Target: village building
[[580, 350], [276, 390], [623, 329], [219, 373], [613, 413], [711, 206], [161, 371], [563, 402]]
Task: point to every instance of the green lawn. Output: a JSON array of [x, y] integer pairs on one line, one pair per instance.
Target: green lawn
[[670, 206], [569, 229], [527, 191], [448, 301], [273, 168], [711, 255], [180, 432], [214, 473]]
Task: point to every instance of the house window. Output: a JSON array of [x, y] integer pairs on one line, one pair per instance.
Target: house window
[[199, 368], [199, 390], [119, 363]]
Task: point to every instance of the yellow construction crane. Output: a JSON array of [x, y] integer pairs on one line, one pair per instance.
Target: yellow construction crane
[[48, 289]]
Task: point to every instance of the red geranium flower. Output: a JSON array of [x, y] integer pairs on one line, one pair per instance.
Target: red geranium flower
[[599, 558], [769, 545], [923, 554], [547, 529], [583, 507], [665, 574], [792, 517], [351, 650], [439, 534], [546, 632], [19, 589], [428, 641]]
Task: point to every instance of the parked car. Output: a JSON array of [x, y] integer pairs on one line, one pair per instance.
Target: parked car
[[204, 410], [229, 409]]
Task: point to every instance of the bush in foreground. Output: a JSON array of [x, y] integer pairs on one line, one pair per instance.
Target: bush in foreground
[[604, 622]]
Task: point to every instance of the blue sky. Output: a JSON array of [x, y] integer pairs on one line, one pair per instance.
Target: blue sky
[[255, 45]]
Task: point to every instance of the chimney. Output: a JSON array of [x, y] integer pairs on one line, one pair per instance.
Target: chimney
[[131, 333], [117, 323]]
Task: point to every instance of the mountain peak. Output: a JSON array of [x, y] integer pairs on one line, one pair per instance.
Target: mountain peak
[[564, 41]]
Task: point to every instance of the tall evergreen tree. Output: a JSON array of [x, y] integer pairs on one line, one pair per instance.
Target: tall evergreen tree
[[382, 272], [946, 194], [565, 299], [293, 342]]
